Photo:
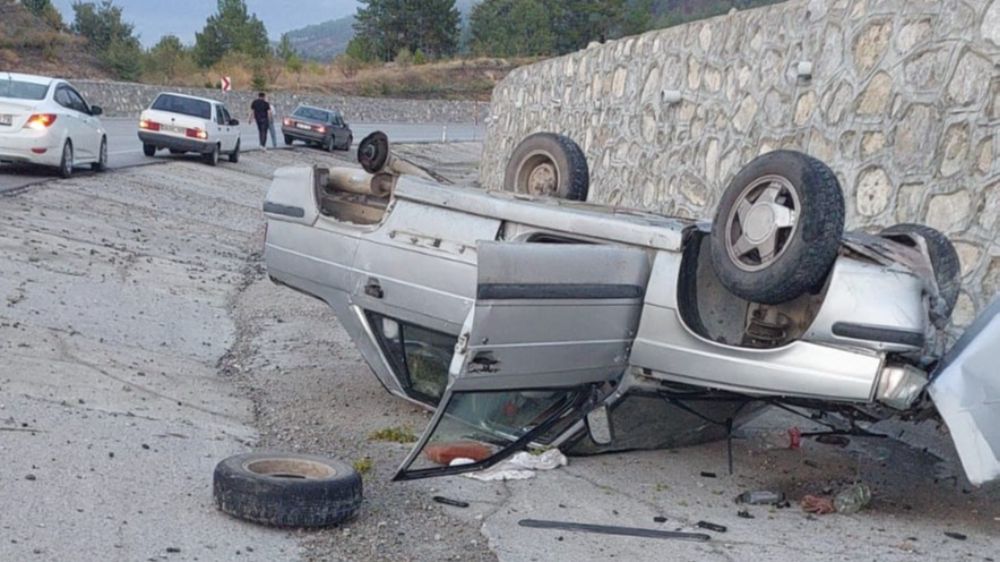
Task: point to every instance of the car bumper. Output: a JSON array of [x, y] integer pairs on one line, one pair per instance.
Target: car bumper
[[302, 134], [36, 147], [159, 140]]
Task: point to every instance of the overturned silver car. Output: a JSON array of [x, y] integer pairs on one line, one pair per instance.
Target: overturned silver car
[[527, 318]]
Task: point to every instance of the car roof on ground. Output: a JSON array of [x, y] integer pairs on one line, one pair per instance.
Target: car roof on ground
[[33, 78], [179, 95]]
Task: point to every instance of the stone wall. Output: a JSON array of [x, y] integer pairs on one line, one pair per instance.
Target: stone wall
[[125, 99], [903, 103]]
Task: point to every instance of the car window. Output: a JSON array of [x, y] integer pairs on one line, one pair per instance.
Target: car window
[[18, 90], [62, 98], [77, 100], [312, 113], [220, 118], [419, 356], [185, 106], [226, 117]]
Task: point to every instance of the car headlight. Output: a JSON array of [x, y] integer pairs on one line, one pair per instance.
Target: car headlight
[[900, 385]]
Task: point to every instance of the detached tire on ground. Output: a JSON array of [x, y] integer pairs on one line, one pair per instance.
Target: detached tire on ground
[[286, 489], [550, 165], [778, 228], [944, 262]]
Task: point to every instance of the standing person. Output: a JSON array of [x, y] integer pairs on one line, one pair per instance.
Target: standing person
[[270, 124], [260, 111]]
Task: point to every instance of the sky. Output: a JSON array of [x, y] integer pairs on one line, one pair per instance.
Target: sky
[[156, 18]]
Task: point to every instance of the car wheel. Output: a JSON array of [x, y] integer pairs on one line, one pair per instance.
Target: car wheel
[[944, 262], [102, 159], [289, 140], [212, 158], [66, 162], [778, 227], [328, 144], [287, 490], [347, 145], [149, 150], [234, 156], [550, 165]]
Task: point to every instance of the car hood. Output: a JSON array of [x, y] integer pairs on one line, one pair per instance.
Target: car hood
[[966, 391]]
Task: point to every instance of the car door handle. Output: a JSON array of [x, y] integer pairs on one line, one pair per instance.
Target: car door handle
[[374, 289]]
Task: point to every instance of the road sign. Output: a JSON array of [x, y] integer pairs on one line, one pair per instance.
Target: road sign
[[227, 84]]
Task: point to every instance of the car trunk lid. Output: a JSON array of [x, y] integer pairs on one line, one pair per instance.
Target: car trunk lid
[[172, 124], [966, 391], [14, 114]]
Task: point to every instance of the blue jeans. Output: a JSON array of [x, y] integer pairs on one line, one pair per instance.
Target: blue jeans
[[274, 136]]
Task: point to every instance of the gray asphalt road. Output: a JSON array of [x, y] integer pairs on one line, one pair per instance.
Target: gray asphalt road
[[124, 149]]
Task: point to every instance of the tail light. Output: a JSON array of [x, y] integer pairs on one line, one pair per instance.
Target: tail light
[[196, 133], [40, 121], [149, 125]]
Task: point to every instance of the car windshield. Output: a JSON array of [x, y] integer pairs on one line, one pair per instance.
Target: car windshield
[[18, 90], [312, 113], [184, 106]]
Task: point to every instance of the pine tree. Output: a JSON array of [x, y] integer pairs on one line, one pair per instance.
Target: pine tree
[[231, 29], [386, 27]]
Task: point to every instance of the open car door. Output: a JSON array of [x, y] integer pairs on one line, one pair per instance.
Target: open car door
[[548, 336]]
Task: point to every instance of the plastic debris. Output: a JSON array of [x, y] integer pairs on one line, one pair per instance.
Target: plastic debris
[[853, 498], [760, 497], [521, 466], [745, 514], [659, 519], [956, 536], [707, 474], [449, 501], [711, 526], [794, 438], [612, 530]]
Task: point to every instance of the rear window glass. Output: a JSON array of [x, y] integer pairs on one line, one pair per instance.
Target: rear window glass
[[311, 113], [22, 90], [184, 106]]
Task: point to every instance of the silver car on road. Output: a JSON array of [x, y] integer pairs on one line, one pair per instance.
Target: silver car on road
[[527, 318]]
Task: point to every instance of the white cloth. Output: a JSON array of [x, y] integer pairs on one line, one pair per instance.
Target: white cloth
[[519, 467]]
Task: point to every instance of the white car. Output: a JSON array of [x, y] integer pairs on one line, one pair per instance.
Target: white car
[[184, 124], [46, 121]]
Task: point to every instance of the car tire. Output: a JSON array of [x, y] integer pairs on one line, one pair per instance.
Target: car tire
[[328, 144], [778, 228], [289, 140], [548, 164], [287, 490], [102, 157], [234, 156], [944, 262], [347, 145], [149, 150], [66, 161], [212, 158]]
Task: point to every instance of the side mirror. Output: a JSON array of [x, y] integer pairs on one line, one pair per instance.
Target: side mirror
[[96, 110], [234, 122], [599, 426]]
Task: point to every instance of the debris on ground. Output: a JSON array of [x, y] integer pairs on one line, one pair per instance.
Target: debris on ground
[[521, 466], [817, 504], [744, 514], [761, 497], [613, 530], [659, 519], [853, 498], [707, 474], [831, 439], [449, 501], [794, 438], [449, 452], [956, 536], [711, 526]]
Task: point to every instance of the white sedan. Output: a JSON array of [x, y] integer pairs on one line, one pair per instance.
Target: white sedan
[[46, 121]]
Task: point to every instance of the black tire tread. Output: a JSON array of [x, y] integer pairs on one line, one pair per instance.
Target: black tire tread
[[578, 186], [234, 156], [821, 229], [944, 261], [149, 150], [286, 502]]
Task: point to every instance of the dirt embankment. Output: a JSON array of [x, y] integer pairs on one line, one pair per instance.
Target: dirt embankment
[[33, 45]]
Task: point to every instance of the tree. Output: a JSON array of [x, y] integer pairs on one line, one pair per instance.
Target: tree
[[110, 36], [575, 23], [507, 28], [389, 26], [231, 29], [45, 10], [284, 50], [168, 59]]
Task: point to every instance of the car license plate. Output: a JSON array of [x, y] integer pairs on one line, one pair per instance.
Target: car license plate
[[304, 126], [6, 119], [174, 129]]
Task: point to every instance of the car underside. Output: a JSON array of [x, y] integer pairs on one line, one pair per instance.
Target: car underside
[[529, 320]]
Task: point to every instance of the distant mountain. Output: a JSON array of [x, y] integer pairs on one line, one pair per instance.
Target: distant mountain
[[323, 41]]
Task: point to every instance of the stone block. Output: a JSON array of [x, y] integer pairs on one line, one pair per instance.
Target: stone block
[[954, 149], [873, 191], [950, 212], [870, 45], [970, 82], [874, 99]]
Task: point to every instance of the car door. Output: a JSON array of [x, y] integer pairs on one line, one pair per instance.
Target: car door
[[551, 327], [87, 140], [71, 122], [219, 128], [233, 131], [339, 134]]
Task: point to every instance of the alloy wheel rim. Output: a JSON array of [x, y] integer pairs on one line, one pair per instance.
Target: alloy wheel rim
[[762, 223]]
